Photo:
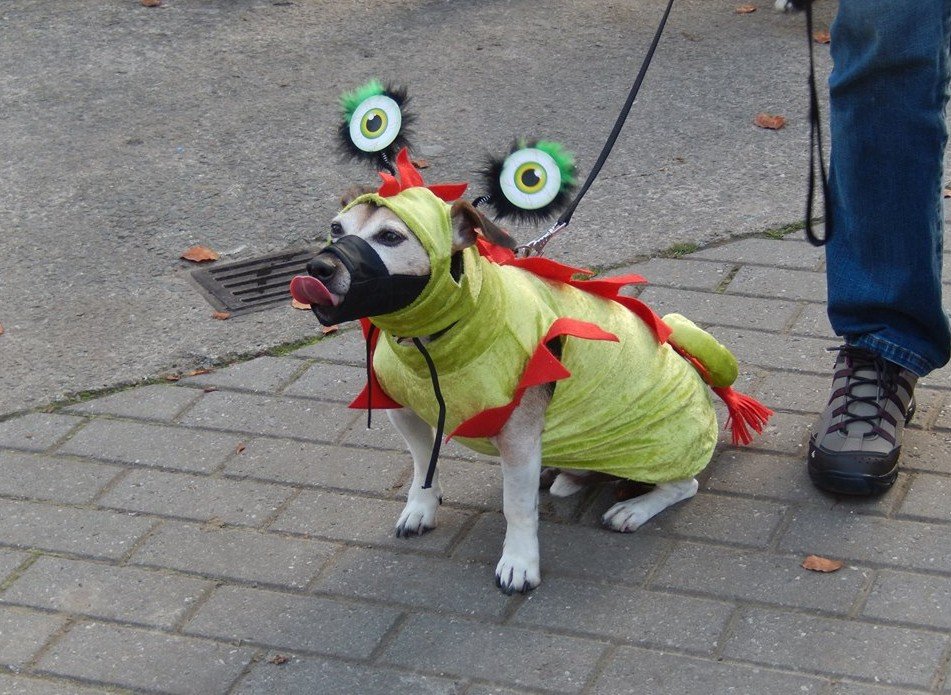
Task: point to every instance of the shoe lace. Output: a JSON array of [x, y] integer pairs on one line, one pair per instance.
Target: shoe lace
[[871, 383]]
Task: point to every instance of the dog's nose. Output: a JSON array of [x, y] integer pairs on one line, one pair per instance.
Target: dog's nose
[[321, 268]]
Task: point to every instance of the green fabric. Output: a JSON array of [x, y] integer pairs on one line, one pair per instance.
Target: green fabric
[[634, 409]]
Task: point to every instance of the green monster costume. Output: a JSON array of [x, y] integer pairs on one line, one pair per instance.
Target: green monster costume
[[628, 401]]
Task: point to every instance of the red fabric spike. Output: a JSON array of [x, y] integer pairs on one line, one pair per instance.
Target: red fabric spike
[[543, 367], [496, 254], [608, 287], [380, 398], [448, 192], [409, 175], [660, 329], [549, 269], [745, 413], [390, 185]]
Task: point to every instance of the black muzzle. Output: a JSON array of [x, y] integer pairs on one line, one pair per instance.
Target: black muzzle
[[373, 290]]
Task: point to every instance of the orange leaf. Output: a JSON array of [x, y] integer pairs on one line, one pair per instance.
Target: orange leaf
[[769, 121], [199, 372], [947, 194], [172, 377], [221, 315], [822, 564], [421, 163], [327, 330], [745, 9], [240, 448], [1, 329], [151, 3], [822, 36], [299, 305], [200, 254]]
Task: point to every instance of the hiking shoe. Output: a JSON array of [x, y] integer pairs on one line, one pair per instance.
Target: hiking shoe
[[855, 448]]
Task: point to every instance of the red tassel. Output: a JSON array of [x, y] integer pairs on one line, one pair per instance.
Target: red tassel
[[745, 412]]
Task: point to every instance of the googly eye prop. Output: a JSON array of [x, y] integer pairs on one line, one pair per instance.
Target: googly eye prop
[[375, 123], [531, 183]]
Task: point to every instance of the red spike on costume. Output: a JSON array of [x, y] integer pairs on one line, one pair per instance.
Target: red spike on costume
[[745, 412], [409, 177]]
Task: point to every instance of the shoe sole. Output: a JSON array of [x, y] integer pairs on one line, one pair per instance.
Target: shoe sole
[[853, 484]]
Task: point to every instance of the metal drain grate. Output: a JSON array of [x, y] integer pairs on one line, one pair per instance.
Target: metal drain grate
[[257, 283]]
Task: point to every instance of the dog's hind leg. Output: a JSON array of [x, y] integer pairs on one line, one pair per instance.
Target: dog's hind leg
[[568, 482], [419, 514], [630, 514], [520, 446]]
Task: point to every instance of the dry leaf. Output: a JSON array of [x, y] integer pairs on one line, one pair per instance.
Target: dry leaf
[[745, 9], [299, 305], [200, 254], [240, 448], [278, 659], [421, 163], [822, 564], [210, 389], [769, 121], [151, 3], [327, 330], [172, 377], [1, 325], [822, 36], [221, 315], [947, 194], [199, 372]]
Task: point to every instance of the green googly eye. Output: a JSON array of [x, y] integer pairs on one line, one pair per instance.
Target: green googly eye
[[530, 178], [375, 123]]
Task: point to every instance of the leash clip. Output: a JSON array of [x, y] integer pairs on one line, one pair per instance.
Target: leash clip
[[536, 246]]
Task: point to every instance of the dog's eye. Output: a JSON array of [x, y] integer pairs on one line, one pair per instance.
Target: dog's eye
[[336, 229], [388, 237]]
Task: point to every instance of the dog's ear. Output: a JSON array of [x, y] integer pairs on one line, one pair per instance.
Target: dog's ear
[[467, 223], [353, 193]]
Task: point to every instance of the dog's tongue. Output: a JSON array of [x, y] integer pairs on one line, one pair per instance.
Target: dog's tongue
[[309, 290]]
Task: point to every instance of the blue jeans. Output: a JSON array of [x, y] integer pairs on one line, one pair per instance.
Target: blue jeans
[[888, 91]]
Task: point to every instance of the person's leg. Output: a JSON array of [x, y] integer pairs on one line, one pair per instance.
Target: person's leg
[[888, 92]]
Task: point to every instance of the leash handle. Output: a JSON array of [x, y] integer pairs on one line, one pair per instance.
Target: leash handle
[[537, 245], [815, 150]]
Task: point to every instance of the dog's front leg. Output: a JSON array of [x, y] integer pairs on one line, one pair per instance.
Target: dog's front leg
[[520, 446], [419, 514]]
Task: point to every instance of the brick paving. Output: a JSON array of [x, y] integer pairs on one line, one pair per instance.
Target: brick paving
[[232, 533]]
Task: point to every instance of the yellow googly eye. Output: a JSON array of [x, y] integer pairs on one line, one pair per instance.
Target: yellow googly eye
[[375, 123], [530, 178]]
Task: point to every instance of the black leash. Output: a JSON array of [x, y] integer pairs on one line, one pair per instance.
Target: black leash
[[538, 244], [815, 149]]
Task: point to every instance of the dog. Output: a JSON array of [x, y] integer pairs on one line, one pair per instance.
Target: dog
[[419, 268]]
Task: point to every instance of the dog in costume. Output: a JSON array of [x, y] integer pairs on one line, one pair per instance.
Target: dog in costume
[[521, 357]]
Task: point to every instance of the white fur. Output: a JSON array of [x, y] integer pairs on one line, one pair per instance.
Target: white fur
[[631, 514]]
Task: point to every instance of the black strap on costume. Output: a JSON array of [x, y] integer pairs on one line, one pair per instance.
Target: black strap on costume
[[441, 421], [815, 148], [370, 332]]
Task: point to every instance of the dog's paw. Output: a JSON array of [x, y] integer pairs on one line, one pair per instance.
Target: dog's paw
[[418, 517], [627, 516], [784, 6], [514, 574]]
